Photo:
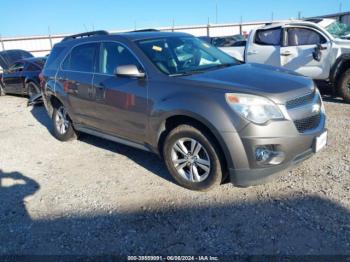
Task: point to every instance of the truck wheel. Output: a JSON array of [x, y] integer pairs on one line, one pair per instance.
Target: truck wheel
[[62, 125], [344, 86], [192, 158]]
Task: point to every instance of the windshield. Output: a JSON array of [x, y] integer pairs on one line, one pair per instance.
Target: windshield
[[184, 55], [339, 30]]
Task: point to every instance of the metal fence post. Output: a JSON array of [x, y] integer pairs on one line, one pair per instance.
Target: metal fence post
[[2, 44], [50, 39]]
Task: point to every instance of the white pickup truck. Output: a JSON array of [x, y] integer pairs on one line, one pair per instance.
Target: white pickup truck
[[317, 50]]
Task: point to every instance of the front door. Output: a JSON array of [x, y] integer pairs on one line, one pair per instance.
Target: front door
[[121, 103], [13, 80], [298, 53]]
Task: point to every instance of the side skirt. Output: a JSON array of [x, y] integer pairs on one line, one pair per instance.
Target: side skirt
[[123, 141]]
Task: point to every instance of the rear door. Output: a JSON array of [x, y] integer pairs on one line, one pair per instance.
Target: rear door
[[264, 46], [297, 54], [13, 78], [76, 79], [121, 102]]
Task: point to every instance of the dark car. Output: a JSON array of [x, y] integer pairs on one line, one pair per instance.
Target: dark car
[[8, 57], [225, 41], [207, 115], [22, 77]]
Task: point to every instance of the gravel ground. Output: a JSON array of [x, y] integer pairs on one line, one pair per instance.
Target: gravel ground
[[92, 196]]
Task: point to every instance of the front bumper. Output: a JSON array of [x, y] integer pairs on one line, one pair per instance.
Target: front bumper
[[297, 147]]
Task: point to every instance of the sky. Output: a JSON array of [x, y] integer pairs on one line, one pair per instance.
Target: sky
[[40, 17]]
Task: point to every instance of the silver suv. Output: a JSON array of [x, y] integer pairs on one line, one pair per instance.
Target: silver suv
[[209, 116]]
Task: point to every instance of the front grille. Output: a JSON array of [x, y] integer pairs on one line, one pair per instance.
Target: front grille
[[308, 123], [300, 101]]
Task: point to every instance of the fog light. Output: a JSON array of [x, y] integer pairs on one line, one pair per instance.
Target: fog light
[[263, 154]]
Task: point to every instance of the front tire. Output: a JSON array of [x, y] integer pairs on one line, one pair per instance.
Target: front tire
[[62, 125], [2, 91], [344, 86], [192, 158]]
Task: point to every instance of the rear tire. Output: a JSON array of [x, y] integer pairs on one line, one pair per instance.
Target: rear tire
[[62, 125], [192, 158], [344, 86], [32, 89]]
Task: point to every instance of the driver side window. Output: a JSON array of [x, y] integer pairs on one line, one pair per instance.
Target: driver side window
[[304, 36], [113, 55], [17, 67]]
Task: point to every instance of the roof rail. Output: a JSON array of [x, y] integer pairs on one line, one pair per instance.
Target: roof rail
[[144, 30], [87, 34]]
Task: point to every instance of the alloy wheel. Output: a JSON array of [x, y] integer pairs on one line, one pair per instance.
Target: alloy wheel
[[61, 120], [191, 159]]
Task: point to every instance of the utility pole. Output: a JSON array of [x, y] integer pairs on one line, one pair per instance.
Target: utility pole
[[272, 17], [216, 13], [173, 27], [299, 15], [340, 7]]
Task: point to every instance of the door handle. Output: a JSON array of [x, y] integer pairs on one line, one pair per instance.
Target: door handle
[[253, 52], [286, 53]]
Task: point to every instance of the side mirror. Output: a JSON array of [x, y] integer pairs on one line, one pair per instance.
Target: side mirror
[[129, 71], [317, 54]]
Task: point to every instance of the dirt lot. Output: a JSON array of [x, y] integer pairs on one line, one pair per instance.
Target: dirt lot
[[93, 196]]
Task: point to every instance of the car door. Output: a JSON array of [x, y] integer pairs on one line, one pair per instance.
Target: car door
[[264, 46], [298, 52], [13, 78], [76, 80], [121, 102]]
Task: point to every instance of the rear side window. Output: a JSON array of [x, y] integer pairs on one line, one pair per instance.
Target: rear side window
[[53, 61], [81, 58], [113, 55], [304, 36], [268, 37]]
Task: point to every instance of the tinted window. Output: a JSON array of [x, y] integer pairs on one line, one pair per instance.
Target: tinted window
[[114, 55], [268, 37], [227, 41], [303, 36], [53, 61], [81, 58]]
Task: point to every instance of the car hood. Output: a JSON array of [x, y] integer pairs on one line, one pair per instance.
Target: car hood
[[278, 84]]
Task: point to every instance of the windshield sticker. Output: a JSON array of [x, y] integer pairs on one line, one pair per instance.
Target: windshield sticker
[[157, 48]]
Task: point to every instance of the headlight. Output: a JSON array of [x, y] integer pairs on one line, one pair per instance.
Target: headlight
[[254, 108]]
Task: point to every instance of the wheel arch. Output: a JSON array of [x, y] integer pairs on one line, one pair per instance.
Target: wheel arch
[[176, 119], [340, 66]]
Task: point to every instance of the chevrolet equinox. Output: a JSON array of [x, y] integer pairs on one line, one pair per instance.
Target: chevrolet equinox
[[210, 117]]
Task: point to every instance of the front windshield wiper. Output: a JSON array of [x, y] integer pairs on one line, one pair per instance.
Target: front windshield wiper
[[221, 66], [202, 70], [187, 73]]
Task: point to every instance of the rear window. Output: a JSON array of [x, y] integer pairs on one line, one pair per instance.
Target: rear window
[[53, 62], [268, 37]]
